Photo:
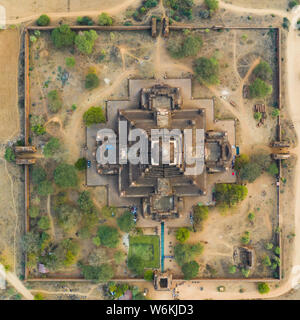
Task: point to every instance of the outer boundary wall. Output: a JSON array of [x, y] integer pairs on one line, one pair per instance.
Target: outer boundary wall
[[139, 28]]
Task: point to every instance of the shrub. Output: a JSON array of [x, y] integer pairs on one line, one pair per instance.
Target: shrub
[[9, 155], [70, 62], [275, 112], [286, 23], [263, 288], [85, 202], [136, 265], [200, 214], [54, 101], [273, 169], [240, 161], [101, 273], [245, 239], [207, 70], [34, 211], [44, 188], [190, 46], [125, 222], [269, 246], [105, 20], [260, 89], [149, 275], [63, 36], [263, 71], [85, 21], [150, 3], [293, 3], [251, 216], [44, 223], [91, 81], [212, 5], [257, 116], [85, 41], [81, 164], [190, 270], [232, 269], [30, 242], [109, 236], [182, 234], [37, 125], [43, 20], [38, 296], [38, 174], [277, 251], [250, 172], [65, 176], [51, 147], [228, 195], [187, 252], [266, 261], [68, 217], [245, 272], [93, 115]]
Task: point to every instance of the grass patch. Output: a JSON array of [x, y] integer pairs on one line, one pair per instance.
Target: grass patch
[[147, 248]]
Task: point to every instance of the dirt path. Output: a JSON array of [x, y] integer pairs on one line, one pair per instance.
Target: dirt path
[[18, 285], [113, 11]]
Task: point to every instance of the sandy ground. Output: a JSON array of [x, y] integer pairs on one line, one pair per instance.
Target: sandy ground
[[32, 9], [9, 112]]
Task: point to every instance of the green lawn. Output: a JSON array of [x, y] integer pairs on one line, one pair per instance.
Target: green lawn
[[147, 248]]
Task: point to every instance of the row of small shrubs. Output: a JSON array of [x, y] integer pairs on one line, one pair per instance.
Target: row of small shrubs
[[103, 20]]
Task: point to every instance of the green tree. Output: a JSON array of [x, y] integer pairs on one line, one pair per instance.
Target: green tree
[[44, 223], [200, 214], [30, 242], [187, 252], [260, 89], [245, 272], [207, 70], [63, 36], [105, 20], [119, 256], [190, 270], [228, 195], [34, 211], [85, 202], [277, 251], [269, 246], [275, 112], [109, 236], [38, 174], [190, 46], [251, 216], [38, 296], [293, 3], [232, 269], [85, 41], [240, 161], [182, 234], [70, 62], [54, 101], [212, 5], [85, 21], [273, 169], [81, 164], [125, 222], [101, 273], [9, 155], [263, 71], [93, 115], [91, 81], [257, 116], [43, 20], [65, 176], [266, 261], [136, 265], [51, 147], [245, 239], [148, 275], [37, 125], [263, 288], [250, 172], [44, 188], [68, 217]]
